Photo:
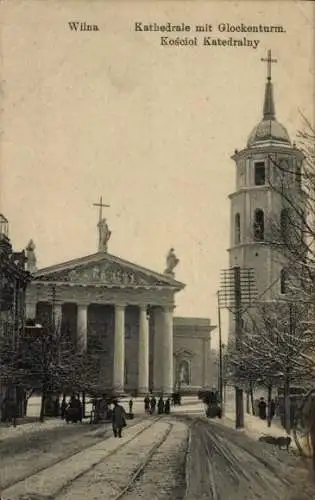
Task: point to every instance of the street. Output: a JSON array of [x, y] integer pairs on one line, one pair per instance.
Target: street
[[225, 463], [183, 455]]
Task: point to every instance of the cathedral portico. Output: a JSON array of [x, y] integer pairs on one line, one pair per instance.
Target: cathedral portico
[[105, 301]]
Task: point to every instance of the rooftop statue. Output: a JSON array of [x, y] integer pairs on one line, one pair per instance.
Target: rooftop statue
[[104, 235], [31, 256], [171, 262]]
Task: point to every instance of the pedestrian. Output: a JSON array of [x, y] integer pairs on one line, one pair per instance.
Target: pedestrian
[[262, 408], [147, 404], [160, 405], [63, 407], [118, 419], [130, 405], [167, 407], [153, 405]]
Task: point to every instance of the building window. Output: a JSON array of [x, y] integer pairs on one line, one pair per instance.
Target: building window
[[184, 372], [259, 225], [237, 229], [260, 173], [283, 281], [284, 224]]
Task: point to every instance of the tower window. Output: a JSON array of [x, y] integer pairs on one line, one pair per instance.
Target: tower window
[[260, 173], [237, 235], [284, 224], [259, 225], [283, 281]]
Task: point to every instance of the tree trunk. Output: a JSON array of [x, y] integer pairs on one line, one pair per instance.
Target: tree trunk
[[247, 402], [42, 405], [252, 398], [269, 404], [239, 408], [83, 404], [287, 405]]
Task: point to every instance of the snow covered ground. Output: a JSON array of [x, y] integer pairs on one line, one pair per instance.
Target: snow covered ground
[[102, 470]]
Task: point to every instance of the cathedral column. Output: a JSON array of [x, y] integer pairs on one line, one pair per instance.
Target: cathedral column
[[82, 327], [57, 316], [167, 350], [119, 348], [30, 310], [143, 352], [158, 327]]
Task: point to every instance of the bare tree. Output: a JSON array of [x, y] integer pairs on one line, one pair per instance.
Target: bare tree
[[293, 231], [277, 349]]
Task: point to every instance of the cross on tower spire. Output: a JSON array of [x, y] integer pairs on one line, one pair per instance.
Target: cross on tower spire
[[103, 230], [269, 62]]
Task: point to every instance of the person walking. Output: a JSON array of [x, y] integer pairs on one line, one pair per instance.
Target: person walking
[[167, 407], [153, 405], [118, 419], [160, 405], [130, 405], [63, 407], [262, 408], [147, 404]]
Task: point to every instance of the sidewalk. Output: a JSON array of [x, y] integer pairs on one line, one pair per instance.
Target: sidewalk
[[255, 427], [22, 429]]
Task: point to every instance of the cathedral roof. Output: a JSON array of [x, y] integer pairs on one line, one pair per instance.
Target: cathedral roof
[[105, 270], [268, 129]]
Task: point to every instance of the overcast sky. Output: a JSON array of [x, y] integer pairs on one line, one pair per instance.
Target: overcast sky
[[150, 128]]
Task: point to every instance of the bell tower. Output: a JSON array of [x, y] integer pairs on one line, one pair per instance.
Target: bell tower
[[267, 164]]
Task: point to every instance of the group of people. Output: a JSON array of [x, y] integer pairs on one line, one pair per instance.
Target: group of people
[[73, 404], [150, 405]]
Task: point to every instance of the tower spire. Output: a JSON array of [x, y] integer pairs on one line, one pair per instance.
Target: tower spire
[[269, 105]]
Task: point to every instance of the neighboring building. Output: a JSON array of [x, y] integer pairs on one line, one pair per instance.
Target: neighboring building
[[127, 310], [13, 282], [269, 160], [192, 353]]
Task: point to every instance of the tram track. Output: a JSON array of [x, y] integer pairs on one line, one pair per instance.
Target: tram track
[[224, 467], [97, 433], [260, 455], [140, 469], [17, 486]]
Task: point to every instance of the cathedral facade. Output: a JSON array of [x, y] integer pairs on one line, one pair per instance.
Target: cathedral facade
[[128, 311]]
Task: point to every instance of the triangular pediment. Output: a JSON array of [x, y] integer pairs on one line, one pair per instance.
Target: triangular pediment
[[103, 269], [183, 353]]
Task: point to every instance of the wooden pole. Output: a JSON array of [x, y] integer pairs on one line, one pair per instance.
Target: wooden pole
[[220, 354], [239, 404]]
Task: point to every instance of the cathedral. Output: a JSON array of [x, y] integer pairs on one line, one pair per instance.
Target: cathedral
[[268, 162], [129, 311]]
